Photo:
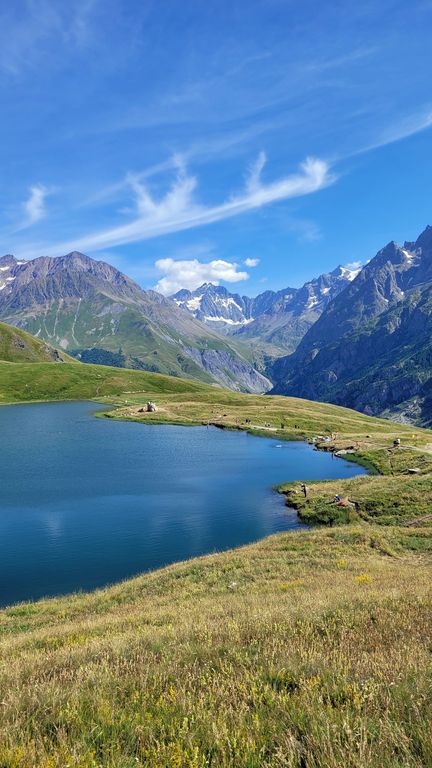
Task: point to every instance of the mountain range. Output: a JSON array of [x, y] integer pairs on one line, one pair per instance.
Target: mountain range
[[95, 313], [371, 348], [355, 337], [276, 319]]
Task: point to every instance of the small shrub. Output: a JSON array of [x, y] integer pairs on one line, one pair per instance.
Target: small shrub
[[363, 578]]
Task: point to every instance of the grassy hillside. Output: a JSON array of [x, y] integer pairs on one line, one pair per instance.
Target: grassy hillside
[[184, 401], [155, 336], [45, 381], [140, 342], [306, 650], [18, 346]]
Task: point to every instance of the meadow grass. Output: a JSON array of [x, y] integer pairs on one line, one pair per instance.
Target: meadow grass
[[21, 382], [307, 650]]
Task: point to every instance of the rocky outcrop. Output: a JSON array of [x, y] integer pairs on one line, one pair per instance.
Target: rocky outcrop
[[371, 349], [229, 371]]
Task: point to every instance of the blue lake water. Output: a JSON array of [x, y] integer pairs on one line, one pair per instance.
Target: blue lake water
[[85, 502]]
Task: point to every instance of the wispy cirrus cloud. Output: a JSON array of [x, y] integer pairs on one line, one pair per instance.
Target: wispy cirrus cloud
[[179, 210], [404, 128], [407, 127], [27, 29], [34, 208]]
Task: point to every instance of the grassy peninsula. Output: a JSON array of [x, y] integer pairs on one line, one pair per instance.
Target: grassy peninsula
[[304, 650]]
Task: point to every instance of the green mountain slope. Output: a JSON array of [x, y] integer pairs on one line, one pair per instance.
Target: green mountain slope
[[23, 382], [17, 346], [385, 364], [99, 315]]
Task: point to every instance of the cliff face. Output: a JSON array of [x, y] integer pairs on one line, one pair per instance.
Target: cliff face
[[371, 348]]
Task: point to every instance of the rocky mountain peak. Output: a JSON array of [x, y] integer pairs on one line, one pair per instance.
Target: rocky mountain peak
[[370, 348], [392, 253], [278, 319], [8, 260], [215, 305], [424, 241], [77, 259], [347, 272], [205, 287]]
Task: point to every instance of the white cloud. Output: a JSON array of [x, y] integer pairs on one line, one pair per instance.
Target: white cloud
[[34, 207], [178, 210], [251, 262], [193, 273], [254, 179]]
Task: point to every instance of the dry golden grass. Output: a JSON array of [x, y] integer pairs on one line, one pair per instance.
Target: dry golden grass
[[289, 416], [308, 650]]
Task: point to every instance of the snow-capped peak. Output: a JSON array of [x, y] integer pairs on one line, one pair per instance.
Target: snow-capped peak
[[349, 272]]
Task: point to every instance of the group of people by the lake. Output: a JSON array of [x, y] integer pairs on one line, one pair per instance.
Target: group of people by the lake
[[341, 502]]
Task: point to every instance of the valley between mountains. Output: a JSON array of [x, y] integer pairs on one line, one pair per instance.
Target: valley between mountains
[[359, 338]]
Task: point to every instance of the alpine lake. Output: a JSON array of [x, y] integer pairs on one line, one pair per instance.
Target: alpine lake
[[85, 501]]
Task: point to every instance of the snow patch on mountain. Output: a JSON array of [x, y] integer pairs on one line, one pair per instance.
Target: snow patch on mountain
[[227, 320], [349, 274], [193, 304]]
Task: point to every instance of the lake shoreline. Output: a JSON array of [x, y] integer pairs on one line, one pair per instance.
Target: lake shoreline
[[297, 505], [391, 495]]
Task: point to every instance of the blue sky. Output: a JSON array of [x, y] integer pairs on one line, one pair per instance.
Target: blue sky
[[256, 144]]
